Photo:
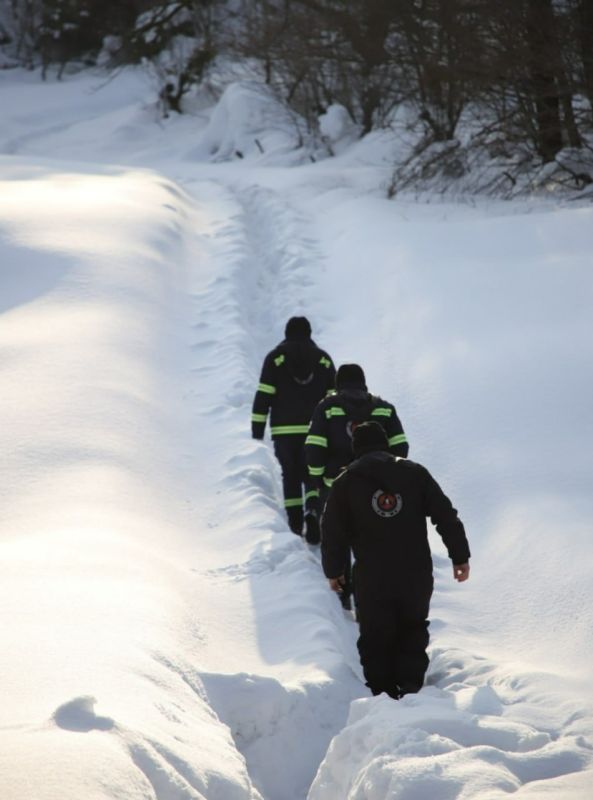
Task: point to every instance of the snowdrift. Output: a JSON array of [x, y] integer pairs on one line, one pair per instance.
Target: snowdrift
[[249, 122], [95, 705]]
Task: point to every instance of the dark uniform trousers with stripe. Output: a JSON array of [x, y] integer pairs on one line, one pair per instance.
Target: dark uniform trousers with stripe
[[290, 452]]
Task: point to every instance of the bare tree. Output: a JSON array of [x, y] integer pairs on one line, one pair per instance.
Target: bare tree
[[443, 58], [319, 52], [584, 38], [23, 18], [530, 51], [179, 41]]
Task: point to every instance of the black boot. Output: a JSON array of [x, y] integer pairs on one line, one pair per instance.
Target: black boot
[[295, 519], [312, 534]]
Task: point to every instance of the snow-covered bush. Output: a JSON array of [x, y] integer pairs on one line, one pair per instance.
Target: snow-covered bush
[[177, 42], [249, 121], [485, 159], [337, 128]]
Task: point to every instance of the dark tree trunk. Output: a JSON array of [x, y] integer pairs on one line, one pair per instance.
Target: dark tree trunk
[[586, 46], [544, 88], [570, 123]]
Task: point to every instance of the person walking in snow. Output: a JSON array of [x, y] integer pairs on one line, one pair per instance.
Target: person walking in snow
[[328, 446], [377, 509], [295, 375]]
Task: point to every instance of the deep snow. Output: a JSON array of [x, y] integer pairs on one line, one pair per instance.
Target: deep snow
[[166, 636]]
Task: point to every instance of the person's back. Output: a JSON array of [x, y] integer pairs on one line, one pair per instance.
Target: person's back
[[385, 504], [295, 375], [329, 442], [377, 508]]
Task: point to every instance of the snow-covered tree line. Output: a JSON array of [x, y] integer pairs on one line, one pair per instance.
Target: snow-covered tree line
[[520, 71]]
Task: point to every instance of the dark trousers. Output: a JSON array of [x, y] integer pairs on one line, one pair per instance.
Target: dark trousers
[[290, 452], [393, 618]]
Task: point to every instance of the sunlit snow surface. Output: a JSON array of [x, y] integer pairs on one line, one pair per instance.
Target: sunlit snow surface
[[164, 635]]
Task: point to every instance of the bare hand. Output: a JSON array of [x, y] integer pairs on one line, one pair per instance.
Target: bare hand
[[461, 572], [337, 584]]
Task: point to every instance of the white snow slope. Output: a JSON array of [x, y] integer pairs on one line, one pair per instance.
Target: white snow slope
[[164, 635]]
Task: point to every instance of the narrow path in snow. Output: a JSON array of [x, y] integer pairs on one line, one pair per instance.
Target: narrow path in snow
[[284, 670]]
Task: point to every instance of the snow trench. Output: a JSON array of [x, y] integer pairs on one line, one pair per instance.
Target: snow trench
[[282, 719]]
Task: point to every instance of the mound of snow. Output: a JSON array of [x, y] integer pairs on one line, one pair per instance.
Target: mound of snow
[[337, 128], [431, 745], [249, 122], [91, 533]]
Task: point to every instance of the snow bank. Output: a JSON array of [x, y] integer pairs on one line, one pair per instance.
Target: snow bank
[[91, 118], [337, 129], [478, 326], [95, 703], [469, 740], [249, 122]]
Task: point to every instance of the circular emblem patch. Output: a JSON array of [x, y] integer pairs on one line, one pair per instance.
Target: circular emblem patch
[[386, 504]]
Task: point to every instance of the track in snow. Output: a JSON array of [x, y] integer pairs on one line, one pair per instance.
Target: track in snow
[[258, 266]]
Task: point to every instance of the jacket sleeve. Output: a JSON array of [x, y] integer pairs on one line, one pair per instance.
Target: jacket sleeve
[[444, 517], [316, 444], [335, 534], [264, 397], [398, 441]]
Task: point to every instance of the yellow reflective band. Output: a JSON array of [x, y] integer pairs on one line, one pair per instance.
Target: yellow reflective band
[[259, 417], [266, 388], [381, 412], [312, 493], [279, 360], [328, 482], [292, 502], [325, 361], [399, 439], [319, 440], [334, 411], [316, 470], [280, 430]]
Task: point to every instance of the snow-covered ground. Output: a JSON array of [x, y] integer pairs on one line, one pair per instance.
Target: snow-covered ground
[[165, 636]]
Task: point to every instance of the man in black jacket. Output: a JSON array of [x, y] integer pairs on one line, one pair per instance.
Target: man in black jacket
[[377, 508], [328, 446], [295, 376]]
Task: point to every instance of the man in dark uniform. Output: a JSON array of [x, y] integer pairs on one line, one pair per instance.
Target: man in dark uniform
[[328, 446], [377, 508], [295, 376]]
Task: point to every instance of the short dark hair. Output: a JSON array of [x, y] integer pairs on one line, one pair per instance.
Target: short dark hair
[[298, 328], [369, 436]]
